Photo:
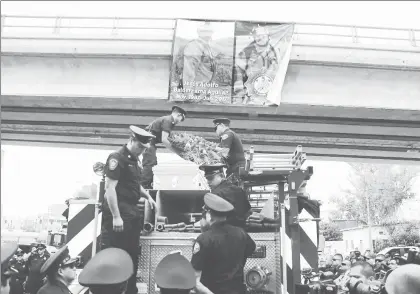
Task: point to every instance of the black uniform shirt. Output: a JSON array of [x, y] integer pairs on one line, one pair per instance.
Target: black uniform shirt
[[238, 198], [221, 253], [229, 139], [55, 287], [19, 270], [123, 166], [35, 262], [164, 123]]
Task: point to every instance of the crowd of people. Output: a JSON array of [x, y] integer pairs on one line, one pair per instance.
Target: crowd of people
[[219, 253], [217, 264], [372, 273]]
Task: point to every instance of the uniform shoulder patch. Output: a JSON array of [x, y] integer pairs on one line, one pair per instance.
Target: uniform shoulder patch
[[113, 163], [196, 248], [225, 136]]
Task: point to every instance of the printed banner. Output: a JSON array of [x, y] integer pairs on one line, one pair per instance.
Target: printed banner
[[241, 63], [202, 62], [261, 60]]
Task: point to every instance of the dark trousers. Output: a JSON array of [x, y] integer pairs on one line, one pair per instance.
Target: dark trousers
[[127, 240], [16, 285], [34, 283], [148, 162], [232, 172]]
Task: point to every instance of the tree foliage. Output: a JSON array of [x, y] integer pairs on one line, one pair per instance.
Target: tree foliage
[[331, 231], [405, 233], [385, 186]]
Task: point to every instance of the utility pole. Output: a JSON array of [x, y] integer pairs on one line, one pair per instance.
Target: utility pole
[[369, 222]]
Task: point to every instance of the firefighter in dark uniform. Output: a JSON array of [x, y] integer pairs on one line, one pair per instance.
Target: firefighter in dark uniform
[[161, 128], [231, 147], [107, 272], [122, 219], [221, 251], [15, 257], [7, 251], [35, 261], [175, 275], [228, 191], [18, 268], [60, 270]]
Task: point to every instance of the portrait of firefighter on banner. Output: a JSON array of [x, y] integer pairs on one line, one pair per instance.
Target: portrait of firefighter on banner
[[202, 62], [262, 53]]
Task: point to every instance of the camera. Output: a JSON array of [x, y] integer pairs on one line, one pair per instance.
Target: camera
[[372, 287], [317, 287]]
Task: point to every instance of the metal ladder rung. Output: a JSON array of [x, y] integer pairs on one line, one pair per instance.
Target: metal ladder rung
[[271, 156]]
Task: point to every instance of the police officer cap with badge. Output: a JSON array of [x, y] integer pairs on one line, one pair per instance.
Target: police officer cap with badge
[[175, 274], [216, 204], [60, 269], [179, 110], [107, 272], [221, 120], [141, 135], [7, 251], [212, 169], [41, 246]]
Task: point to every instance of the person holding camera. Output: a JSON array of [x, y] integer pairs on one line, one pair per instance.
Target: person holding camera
[[362, 279]]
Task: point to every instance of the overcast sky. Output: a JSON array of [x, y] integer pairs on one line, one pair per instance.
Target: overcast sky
[[402, 14], [34, 177]]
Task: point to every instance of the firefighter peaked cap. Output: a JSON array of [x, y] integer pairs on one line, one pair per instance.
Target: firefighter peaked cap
[[110, 266], [222, 120], [174, 271], [142, 135], [212, 169], [58, 259], [217, 203]]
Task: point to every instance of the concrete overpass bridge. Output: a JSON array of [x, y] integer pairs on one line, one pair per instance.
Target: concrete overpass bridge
[[351, 93]]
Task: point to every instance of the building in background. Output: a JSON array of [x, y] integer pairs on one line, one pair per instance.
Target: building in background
[[348, 224], [358, 238]]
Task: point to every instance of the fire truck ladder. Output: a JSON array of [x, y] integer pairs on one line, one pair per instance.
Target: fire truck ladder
[[284, 173]]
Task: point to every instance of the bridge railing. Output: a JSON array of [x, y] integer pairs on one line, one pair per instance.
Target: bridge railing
[[162, 30]]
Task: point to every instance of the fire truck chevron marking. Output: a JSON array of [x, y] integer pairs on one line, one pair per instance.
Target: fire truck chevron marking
[[75, 209], [84, 216], [80, 228], [84, 238], [308, 244]]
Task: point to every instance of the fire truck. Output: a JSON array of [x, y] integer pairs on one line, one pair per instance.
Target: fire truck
[[284, 223]]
